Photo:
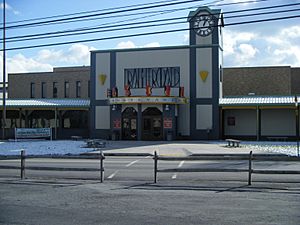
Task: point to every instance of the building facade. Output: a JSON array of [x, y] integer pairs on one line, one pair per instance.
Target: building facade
[[63, 82], [161, 93]]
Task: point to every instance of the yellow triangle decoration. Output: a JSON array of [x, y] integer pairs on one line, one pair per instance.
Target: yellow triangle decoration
[[203, 75], [102, 79]]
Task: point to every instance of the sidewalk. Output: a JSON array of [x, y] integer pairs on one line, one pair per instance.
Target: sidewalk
[[172, 148]]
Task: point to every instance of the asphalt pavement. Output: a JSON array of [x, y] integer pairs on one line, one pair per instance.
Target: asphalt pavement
[[129, 195]]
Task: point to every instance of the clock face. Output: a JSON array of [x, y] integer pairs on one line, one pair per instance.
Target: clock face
[[204, 24]]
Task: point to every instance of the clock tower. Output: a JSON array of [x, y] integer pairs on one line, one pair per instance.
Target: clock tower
[[206, 72]]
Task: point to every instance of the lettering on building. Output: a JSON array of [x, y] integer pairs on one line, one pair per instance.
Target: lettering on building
[[158, 77]]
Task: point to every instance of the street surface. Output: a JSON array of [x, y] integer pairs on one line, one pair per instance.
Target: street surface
[[129, 196]]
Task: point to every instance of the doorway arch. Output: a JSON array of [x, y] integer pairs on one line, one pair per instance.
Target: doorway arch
[[152, 128], [129, 124]]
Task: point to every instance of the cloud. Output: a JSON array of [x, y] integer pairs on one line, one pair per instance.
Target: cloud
[[19, 63], [130, 44], [125, 44], [76, 54], [233, 39], [46, 59], [283, 48], [9, 8], [262, 49]]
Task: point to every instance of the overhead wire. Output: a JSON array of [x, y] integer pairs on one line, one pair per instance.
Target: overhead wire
[[91, 11], [114, 28], [111, 28], [74, 18], [90, 17], [144, 34]]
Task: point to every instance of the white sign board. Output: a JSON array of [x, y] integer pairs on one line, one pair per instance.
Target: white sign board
[[33, 133]]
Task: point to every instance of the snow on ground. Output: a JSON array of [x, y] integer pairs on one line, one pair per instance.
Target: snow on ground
[[76, 147], [288, 148], [43, 147]]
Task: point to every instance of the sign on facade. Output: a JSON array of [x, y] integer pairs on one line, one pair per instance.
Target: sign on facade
[[33, 133], [157, 77]]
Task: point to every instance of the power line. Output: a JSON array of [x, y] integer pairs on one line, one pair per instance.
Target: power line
[[104, 13], [92, 11], [144, 34], [90, 17], [113, 28]]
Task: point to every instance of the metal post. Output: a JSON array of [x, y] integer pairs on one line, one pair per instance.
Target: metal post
[[297, 131], [4, 74], [22, 164], [297, 123], [250, 168], [101, 166], [155, 166], [55, 121]]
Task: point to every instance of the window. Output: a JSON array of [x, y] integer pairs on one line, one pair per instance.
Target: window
[[89, 86], [67, 89], [44, 90], [32, 90], [54, 89], [78, 89]]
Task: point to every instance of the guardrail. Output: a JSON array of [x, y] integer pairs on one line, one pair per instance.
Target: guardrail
[[99, 157], [196, 157], [208, 157]]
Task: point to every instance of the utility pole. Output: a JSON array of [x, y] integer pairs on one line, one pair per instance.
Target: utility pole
[[4, 74], [297, 123]]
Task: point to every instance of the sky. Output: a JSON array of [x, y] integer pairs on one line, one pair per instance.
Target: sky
[[275, 43]]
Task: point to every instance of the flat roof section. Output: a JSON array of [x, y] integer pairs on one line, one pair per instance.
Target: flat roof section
[[46, 103], [259, 101]]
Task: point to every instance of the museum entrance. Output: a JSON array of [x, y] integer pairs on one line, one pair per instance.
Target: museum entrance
[[129, 130], [152, 129]]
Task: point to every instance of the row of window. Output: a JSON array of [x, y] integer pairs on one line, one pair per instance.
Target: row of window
[[55, 89]]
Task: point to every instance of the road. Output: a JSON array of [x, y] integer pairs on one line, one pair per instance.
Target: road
[[129, 196]]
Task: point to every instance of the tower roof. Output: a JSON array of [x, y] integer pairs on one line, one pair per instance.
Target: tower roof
[[215, 12]]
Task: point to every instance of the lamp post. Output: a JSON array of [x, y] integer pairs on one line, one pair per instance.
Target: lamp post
[[4, 74], [297, 123]]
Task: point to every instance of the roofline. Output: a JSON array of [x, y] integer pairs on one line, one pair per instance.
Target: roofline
[[155, 48], [251, 67]]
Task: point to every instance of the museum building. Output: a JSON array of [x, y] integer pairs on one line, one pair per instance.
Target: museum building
[[161, 93], [165, 93]]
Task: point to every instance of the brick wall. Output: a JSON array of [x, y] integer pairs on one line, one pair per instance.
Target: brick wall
[[19, 83], [258, 80], [295, 80]]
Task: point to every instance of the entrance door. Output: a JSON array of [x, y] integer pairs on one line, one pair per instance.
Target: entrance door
[[129, 117], [152, 124]]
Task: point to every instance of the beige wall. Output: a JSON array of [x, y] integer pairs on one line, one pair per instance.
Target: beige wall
[[19, 83], [158, 58], [102, 68], [278, 122], [245, 122]]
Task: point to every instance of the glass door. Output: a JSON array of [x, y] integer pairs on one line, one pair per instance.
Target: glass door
[[129, 121], [152, 124]]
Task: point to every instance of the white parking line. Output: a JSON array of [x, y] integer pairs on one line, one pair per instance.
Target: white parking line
[[175, 174], [133, 162], [112, 175], [180, 164]]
